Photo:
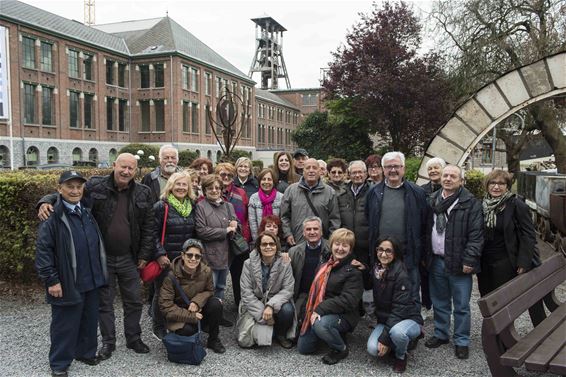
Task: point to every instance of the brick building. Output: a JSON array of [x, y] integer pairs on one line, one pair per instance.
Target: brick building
[[81, 93]]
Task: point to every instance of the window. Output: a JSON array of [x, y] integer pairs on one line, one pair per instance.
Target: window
[[159, 115], [88, 106], [77, 154], [207, 83], [194, 79], [186, 116], [46, 57], [109, 113], [93, 155], [122, 115], [218, 86], [310, 99], [109, 72], [29, 103], [112, 154], [74, 110], [185, 77], [159, 76], [73, 64], [29, 52], [122, 75], [487, 157], [144, 112], [32, 156], [47, 106], [234, 87], [207, 122], [144, 76], [87, 67], [4, 156], [52, 155], [194, 118]]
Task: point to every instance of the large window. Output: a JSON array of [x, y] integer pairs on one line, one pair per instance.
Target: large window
[[207, 83], [110, 72], [122, 75], [46, 57], [32, 156], [29, 103], [194, 79], [159, 107], [144, 76], [185, 77], [93, 155], [109, 113], [144, 113], [89, 110], [186, 116], [207, 122], [122, 115], [74, 110], [218, 86], [73, 63], [87, 67], [310, 99], [47, 107], [159, 76], [52, 155], [194, 118], [28, 45], [77, 154]]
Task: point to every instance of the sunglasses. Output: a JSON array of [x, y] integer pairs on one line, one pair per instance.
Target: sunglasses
[[268, 244], [193, 256], [224, 175]]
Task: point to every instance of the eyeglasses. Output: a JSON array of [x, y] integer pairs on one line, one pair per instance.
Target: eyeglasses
[[193, 256], [374, 167], [381, 250], [336, 172], [500, 184], [224, 175], [268, 244], [393, 167]]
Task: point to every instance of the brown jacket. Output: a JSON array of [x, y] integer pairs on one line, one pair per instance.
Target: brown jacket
[[198, 288]]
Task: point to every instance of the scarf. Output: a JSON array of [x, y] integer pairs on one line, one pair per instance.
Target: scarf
[[317, 291], [184, 209], [493, 206], [440, 206], [267, 201]]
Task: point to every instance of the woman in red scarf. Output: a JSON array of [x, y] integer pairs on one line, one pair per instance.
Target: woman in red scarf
[[265, 202], [333, 306]]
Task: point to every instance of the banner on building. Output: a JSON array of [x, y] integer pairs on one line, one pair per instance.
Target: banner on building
[[4, 73]]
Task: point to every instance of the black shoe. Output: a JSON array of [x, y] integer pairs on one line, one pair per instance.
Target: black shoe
[[106, 351], [216, 345], [138, 346], [88, 361], [399, 366], [226, 323], [334, 356], [462, 352], [434, 342], [284, 342], [59, 373], [159, 332]]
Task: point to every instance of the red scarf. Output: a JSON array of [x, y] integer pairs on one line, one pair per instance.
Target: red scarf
[[317, 291], [267, 202]]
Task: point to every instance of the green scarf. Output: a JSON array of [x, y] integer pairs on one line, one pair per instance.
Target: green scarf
[[492, 206], [183, 208]]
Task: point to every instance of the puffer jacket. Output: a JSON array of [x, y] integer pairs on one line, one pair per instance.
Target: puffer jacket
[[295, 208], [353, 217], [198, 287], [177, 230], [250, 186], [255, 211], [279, 286], [392, 299], [463, 237], [297, 256], [343, 293]]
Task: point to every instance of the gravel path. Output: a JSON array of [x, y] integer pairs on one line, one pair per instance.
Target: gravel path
[[24, 345]]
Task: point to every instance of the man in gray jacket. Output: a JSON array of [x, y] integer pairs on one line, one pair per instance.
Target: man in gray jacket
[[308, 197]]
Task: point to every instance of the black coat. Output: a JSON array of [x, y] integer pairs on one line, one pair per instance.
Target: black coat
[[393, 301], [177, 230], [344, 291], [251, 186], [353, 217]]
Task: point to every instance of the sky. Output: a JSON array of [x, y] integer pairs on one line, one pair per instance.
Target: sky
[[315, 28]]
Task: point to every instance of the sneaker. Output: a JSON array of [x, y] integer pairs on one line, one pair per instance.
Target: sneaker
[[159, 332], [399, 366], [216, 345], [434, 342], [335, 356], [284, 342], [138, 346]]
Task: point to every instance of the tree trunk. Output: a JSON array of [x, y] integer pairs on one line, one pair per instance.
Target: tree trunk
[[546, 118]]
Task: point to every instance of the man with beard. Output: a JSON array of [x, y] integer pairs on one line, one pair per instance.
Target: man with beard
[[156, 180]]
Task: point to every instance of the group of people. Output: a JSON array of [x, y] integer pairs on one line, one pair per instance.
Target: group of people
[[329, 243]]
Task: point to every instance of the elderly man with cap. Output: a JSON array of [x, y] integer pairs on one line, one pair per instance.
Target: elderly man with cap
[[71, 262], [300, 156]]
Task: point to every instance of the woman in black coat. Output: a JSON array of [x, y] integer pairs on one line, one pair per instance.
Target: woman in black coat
[[174, 224], [398, 316]]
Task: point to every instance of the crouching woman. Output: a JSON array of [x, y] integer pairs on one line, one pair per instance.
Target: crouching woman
[[266, 307], [195, 279]]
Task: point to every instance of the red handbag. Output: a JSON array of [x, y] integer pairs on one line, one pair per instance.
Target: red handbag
[[152, 270]]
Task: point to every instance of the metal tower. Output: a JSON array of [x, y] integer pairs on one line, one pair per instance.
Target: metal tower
[[268, 57], [89, 19]]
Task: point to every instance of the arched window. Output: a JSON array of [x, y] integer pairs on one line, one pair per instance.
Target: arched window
[[77, 154], [218, 156], [32, 156], [4, 156], [112, 154], [209, 155], [198, 153], [52, 155], [93, 155]]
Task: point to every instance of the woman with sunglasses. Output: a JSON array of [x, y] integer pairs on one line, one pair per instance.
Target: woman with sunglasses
[[267, 296], [399, 321], [195, 279]]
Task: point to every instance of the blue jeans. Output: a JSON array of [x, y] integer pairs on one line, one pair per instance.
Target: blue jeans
[[448, 290], [401, 334], [284, 318], [328, 329], [219, 277]]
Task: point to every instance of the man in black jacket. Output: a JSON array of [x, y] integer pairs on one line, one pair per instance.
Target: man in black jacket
[[156, 179], [124, 212]]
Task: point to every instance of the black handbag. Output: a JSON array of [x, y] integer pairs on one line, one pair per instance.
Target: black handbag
[[180, 348], [237, 242]]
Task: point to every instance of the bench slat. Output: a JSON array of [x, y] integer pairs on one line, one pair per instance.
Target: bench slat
[[558, 364], [502, 296], [540, 358], [516, 355]]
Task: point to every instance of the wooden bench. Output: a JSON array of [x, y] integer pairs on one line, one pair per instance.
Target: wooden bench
[[543, 349]]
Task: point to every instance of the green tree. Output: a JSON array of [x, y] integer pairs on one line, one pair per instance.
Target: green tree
[[149, 151], [186, 157], [235, 154]]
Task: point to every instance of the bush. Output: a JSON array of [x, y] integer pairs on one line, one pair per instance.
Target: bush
[[474, 183], [186, 157], [235, 155], [412, 168], [148, 150]]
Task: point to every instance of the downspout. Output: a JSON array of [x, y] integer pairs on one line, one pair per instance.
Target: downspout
[[22, 133], [10, 120], [171, 98]]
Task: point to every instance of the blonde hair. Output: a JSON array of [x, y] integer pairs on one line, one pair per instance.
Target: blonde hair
[[225, 166], [343, 235], [171, 182]]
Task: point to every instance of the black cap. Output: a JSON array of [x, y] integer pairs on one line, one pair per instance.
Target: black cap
[[300, 152], [70, 174], [191, 242]]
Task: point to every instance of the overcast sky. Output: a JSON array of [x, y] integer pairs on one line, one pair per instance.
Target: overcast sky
[[314, 28]]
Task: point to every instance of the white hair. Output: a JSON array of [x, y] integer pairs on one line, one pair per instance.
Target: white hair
[[391, 156], [462, 173], [357, 162], [436, 161], [312, 218], [168, 146], [321, 163]]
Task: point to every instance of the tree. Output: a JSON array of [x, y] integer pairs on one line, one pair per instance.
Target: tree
[[483, 39], [334, 133], [401, 95], [149, 158], [186, 157], [235, 154]]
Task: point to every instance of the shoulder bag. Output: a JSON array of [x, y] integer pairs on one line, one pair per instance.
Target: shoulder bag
[[152, 270], [238, 244]]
